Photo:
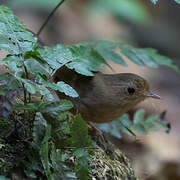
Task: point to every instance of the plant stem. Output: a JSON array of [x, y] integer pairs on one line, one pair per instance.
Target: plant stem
[[48, 18], [25, 95], [27, 77]]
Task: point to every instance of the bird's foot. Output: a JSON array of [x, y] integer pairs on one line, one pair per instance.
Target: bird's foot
[[97, 135]]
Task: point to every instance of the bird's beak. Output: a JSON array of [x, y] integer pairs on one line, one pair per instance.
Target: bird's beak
[[152, 95]]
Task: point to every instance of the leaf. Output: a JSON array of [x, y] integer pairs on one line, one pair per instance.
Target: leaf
[[79, 133], [82, 168], [139, 124], [62, 116], [104, 127], [85, 60], [30, 87], [158, 59], [5, 126], [62, 87], [140, 56], [44, 153], [13, 37], [154, 1], [42, 4], [139, 129], [107, 50], [30, 174], [29, 107], [60, 169], [68, 90], [139, 116], [33, 163], [56, 56], [122, 124], [162, 125], [9, 90], [9, 82], [177, 1], [128, 131], [124, 119], [44, 91], [14, 63], [64, 128], [39, 129], [41, 136], [115, 130], [152, 118], [34, 67], [33, 87], [134, 11], [111, 128], [3, 178], [55, 108], [149, 126]]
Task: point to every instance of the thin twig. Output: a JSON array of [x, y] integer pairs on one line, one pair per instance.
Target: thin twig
[[50, 15], [76, 147], [25, 94], [27, 77]]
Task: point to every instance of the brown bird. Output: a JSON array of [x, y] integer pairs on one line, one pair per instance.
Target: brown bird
[[104, 97]]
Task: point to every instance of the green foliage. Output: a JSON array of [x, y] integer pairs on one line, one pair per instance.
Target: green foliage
[[44, 152], [62, 87], [155, 1], [8, 82], [46, 4], [5, 125], [82, 168], [56, 56], [55, 108], [86, 60], [140, 124], [39, 129], [83, 60], [59, 164], [81, 140], [134, 11], [177, 1], [39, 153], [140, 56], [54, 161], [24, 57], [79, 133], [4, 178], [13, 37]]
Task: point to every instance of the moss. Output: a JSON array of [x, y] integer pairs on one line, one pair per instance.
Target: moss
[[5, 125], [111, 164], [6, 158]]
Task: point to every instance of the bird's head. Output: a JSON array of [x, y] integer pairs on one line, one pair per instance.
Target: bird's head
[[133, 88]]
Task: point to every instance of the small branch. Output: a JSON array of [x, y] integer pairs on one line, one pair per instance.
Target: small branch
[[48, 18]]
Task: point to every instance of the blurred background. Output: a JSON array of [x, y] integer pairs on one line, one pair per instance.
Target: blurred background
[[139, 23]]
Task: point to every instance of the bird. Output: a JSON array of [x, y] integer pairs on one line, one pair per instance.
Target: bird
[[104, 97]]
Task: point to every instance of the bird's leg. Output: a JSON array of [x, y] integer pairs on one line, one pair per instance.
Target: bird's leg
[[95, 132]]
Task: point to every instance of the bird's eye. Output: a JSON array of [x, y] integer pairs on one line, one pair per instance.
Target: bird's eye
[[131, 90]]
